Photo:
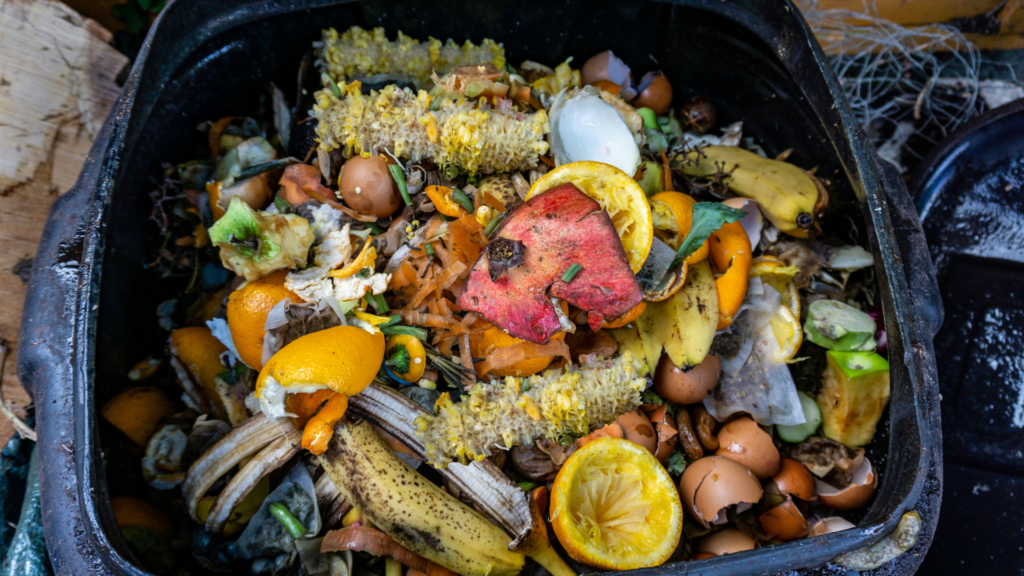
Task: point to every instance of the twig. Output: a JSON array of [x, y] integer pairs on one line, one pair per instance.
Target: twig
[[23, 429]]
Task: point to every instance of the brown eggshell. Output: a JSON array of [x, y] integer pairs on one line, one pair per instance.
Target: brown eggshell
[[614, 430], [829, 525], [728, 540], [784, 522], [713, 483], [681, 387], [857, 494], [745, 442], [795, 479], [368, 188], [605, 66], [637, 428], [657, 95], [702, 556], [665, 428]]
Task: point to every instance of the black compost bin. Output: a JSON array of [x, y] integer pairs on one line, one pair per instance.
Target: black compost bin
[[968, 191], [89, 310]]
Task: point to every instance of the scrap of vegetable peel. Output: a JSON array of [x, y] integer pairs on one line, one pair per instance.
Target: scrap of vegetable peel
[[557, 229]]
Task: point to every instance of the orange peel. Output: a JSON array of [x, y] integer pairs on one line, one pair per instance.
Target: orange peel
[[731, 254], [320, 428], [247, 311], [441, 196], [366, 259], [614, 507]]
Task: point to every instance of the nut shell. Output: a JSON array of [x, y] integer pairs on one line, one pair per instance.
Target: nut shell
[[745, 442], [368, 188], [714, 483], [681, 387]]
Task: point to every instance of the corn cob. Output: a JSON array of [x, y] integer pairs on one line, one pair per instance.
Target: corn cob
[[358, 52], [461, 134], [560, 405]]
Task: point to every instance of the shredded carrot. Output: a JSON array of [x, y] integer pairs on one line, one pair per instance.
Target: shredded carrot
[[499, 358], [491, 201], [666, 173], [466, 357], [444, 279], [547, 160]]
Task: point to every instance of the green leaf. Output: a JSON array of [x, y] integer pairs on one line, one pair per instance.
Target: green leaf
[[463, 200], [399, 176], [527, 486], [399, 359], [418, 333], [708, 218], [649, 396]]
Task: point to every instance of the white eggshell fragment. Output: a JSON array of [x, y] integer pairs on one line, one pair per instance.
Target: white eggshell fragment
[[753, 221]]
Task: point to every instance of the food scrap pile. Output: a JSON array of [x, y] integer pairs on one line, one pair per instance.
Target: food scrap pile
[[449, 315]]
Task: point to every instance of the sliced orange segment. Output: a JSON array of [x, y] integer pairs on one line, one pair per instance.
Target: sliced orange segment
[[618, 194], [786, 327], [614, 507]]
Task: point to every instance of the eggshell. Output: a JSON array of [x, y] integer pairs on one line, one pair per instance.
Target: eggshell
[[753, 222], [614, 430], [655, 93], [784, 522], [728, 540], [857, 494], [682, 387], [713, 483], [605, 66], [745, 442], [702, 556], [638, 429], [795, 480], [829, 525], [368, 188], [668, 435]]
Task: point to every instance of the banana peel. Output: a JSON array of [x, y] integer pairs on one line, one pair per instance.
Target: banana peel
[[413, 511], [682, 326], [791, 198], [536, 544]]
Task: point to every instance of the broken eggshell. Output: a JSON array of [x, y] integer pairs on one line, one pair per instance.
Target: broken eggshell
[[686, 387], [728, 540], [829, 525], [608, 67], [638, 429], [793, 479], [585, 127], [667, 434], [857, 494], [713, 484], [654, 92], [745, 442], [368, 188], [784, 522]]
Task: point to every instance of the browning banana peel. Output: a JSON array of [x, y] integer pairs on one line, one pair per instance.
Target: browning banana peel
[[413, 511], [789, 196]]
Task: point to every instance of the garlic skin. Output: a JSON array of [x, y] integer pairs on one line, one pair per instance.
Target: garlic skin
[[585, 127]]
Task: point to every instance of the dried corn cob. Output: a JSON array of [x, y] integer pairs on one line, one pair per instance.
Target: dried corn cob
[[462, 134], [559, 405], [358, 52]]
